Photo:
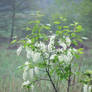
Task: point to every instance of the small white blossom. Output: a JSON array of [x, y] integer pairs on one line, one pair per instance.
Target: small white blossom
[[73, 50], [50, 46], [62, 57], [26, 68], [85, 88], [37, 44], [32, 87], [61, 43], [46, 55], [84, 38], [27, 63], [90, 89], [24, 75], [29, 52], [32, 54], [26, 83], [48, 24], [31, 73], [59, 50], [28, 40], [66, 58], [52, 37], [68, 41], [19, 50], [41, 46], [51, 43], [35, 56], [36, 70], [52, 56], [69, 56]]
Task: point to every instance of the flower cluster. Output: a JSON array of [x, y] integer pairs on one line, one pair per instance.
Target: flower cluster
[[87, 88]]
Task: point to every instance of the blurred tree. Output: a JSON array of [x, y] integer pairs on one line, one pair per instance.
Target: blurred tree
[[86, 16], [13, 19]]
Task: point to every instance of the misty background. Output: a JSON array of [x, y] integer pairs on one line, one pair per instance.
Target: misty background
[[14, 17]]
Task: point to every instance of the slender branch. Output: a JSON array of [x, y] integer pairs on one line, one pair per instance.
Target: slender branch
[[69, 80], [51, 80], [47, 70]]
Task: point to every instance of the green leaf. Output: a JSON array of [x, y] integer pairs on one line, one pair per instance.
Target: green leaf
[[59, 27], [57, 22], [12, 42], [78, 28], [46, 27], [28, 28], [65, 26], [73, 35]]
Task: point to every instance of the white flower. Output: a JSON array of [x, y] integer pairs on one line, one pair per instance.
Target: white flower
[[52, 56], [28, 40], [66, 58], [69, 56], [41, 46], [90, 89], [37, 44], [26, 68], [52, 37], [32, 87], [24, 75], [84, 38], [51, 42], [26, 83], [19, 50], [62, 57], [48, 24], [59, 50], [29, 52], [27, 63], [35, 56], [31, 73], [50, 46], [85, 88], [32, 54], [46, 54], [73, 50], [68, 41], [36, 70], [62, 44]]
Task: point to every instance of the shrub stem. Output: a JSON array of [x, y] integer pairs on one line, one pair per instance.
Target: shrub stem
[[51, 80]]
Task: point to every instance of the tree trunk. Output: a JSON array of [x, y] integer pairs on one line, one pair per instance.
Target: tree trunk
[[13, 20]]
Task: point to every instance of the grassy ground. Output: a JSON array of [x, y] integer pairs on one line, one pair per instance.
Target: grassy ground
[[11, 78]]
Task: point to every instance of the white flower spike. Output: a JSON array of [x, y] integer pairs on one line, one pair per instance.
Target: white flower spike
[[19, 50]]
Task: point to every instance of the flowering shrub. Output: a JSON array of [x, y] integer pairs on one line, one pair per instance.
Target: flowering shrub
[[86, 80], [49, 53]]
